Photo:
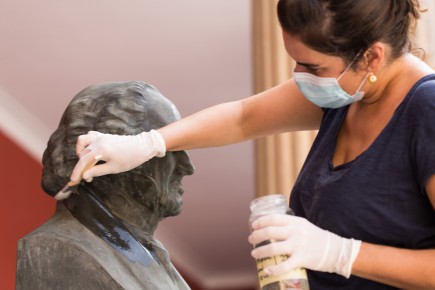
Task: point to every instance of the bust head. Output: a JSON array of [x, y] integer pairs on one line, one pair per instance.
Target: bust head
[[141, 196], [103, 233]]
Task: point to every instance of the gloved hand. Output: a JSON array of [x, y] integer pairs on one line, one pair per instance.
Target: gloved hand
[[307, 245], [120, 153]]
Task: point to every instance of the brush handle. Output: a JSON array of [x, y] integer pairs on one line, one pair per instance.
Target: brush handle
[[89, 166], [65, 192]]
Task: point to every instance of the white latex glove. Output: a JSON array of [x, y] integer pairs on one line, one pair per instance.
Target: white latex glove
[[307, 245], [120, 152]]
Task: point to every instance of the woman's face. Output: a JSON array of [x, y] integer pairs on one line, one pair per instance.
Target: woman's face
[[311, 61]]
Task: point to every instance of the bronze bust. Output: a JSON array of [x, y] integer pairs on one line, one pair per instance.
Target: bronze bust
[[101, 237]]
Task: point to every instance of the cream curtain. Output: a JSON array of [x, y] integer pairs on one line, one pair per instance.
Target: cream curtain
[[425, 35], [278, 158]]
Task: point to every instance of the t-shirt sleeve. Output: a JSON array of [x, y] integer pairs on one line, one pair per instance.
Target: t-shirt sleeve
[[424, 137]]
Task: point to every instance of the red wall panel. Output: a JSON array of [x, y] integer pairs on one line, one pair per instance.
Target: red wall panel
[[23, 206]]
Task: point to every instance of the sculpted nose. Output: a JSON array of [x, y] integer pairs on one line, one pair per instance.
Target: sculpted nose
[[185, 166]]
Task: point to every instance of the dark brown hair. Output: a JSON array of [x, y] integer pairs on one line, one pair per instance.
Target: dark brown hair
[[346, 27]]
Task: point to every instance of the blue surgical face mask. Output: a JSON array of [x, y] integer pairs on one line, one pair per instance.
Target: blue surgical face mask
[[326, 92]]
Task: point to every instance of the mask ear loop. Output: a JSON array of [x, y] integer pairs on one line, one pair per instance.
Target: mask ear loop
[[370, 76], [363, 82], [350, 64]]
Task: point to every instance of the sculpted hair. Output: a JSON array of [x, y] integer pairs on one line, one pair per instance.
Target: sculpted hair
[[123, 108], [346, 27]]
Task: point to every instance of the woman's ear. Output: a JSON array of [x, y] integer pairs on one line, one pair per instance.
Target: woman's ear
[[375, 56]]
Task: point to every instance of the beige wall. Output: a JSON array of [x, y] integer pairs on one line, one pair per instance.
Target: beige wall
[[425, 37], [197, 52]]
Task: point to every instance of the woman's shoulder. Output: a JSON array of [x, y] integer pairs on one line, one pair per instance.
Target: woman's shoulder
[[426, 83], [422, 93]]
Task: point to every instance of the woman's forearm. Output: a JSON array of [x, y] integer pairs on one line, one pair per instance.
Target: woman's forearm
[[279, 109], [402, 268], [214, 126]]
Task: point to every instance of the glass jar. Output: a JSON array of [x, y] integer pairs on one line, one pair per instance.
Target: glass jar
[[295, 279]]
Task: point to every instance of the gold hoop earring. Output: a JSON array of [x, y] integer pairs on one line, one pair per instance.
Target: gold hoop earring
[[372, 78]]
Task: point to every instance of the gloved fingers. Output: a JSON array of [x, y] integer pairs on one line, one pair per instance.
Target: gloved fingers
[[304, 243], [84, 141], [98, 170], [83, 165], [271, 220], [286, 266], [270, 233], [273, 249], [286, 259], [121, 152]]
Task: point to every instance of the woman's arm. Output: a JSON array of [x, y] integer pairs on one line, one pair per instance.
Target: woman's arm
[[280, 109], [408, 269], [402, 268]]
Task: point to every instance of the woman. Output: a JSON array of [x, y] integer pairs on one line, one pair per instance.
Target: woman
[[365, 197]]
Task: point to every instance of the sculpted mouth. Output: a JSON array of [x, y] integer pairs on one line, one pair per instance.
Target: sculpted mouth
[[177, 187]]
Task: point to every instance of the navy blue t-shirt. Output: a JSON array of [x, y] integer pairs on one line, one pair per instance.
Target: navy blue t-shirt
[[380, 196]]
